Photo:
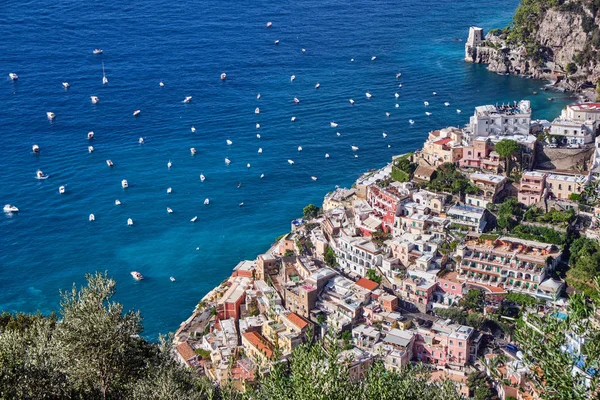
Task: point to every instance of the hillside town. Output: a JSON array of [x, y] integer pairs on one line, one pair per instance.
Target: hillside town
[[430, 259]]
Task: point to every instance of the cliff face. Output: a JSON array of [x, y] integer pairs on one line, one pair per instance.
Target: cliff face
[[558, 43]]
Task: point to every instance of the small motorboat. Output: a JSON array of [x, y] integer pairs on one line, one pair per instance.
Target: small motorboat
[[299, 148], [447, 104], [40, 175], [223, 76], [296, 101], [206, 202], [426, 103], [61, 190], [13, 76], [229, 142], [318, 85], [124, 184], [66, 85], [35, 148], [90, 135], [458, 111], [369, 95], [92, 217], [98, 51], [399, 85], [141, 140], [193, 151], [258, 135], [269, 24], [262, 176], [352, 60], [169, 210], [333, 124], [172, 279], [10, 209], [109, 163], [169, 190], [239, 185], [227, 161], [387, 114], [129, 222], [550, 98], [384, 134], [241, 204], [314, 178], [427, 113], [194, 219], [398, 75], [291, 162], [258, 96], [187, 99], [351, 102], [354, 148], [326, 155], [202, 177], [396, 95], [293, 119], [94, 99], [338, 134], [410, 121], [292, 78], [136, 113], [373, 58], [90, 149], [104, 80], [193, 129], [248, 165], [50, 115], [260, 150], [117, 202], [257, 125], [277, 41], [136, 275], [169, 164], [161, 84], [257, 110], [397, 105], [434, 93]]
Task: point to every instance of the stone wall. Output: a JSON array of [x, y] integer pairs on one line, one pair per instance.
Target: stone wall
[[563, 159]]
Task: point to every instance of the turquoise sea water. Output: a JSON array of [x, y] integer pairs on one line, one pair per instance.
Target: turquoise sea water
[[50, 244]]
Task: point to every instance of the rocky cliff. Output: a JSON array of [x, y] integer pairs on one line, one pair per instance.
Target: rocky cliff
[[558, 40]]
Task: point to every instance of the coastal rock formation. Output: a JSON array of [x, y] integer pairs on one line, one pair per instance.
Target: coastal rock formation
[[555, 40], [563, 159]]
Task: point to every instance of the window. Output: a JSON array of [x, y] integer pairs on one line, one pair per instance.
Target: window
[[560, 186], [460, 344], [569, 187], [453, 287]]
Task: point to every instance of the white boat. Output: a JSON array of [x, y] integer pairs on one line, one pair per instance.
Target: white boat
[[229, 142], [426, 103], [299, 148], [373, 58], [10, 209], [248, 165], [136, 275], [258, 96], [397, 105], [223, 76], [258, 135], [277, 41], [384, 134], [40, 175], [109, 163], [66, 85], [333, 124], [293, 119], [291, 162], [61, 190], [262, 176], [13, 76], [296, 101], [193, 151], [94, 99], [92, 217], [104, 78], [241, 204], [194, 219], [90, 149], [427, 113], [387, 114], [354, 148], [400, 85], [169, 164], [50, 115], [314, 178], [136, 113], [124, 184], [338, 134], [170, 211], [369, 95], [318, 85], [90, 135], [260, 150], [161, 84], [141, 140], [351, 101], [326, 155], [227, 161], [97, 51], [352, 60], [202, 177], [447, 104], [206, 202], [187, 99], [410, 121], [35, 148], [434, 93], [172, 279], [292, 78], [117, 202], [193, 129], [269, 24], [458, 111], [303, 50], [129, 222], [396, 95], [257, 125], [257, 110], [169, 190]]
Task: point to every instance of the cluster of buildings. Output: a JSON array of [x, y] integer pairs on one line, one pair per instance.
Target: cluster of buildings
[[383, 257]]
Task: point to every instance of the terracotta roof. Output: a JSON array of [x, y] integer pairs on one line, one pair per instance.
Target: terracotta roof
[[258, 341], [443, 141], [367, 284], [424, 171], [185, 351], [297, 320]]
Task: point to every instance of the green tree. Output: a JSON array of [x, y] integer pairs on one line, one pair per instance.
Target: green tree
[[311, 211], [571, 68], [373, 275], [507, 149], [473, 300], [330, 258], [289, 253]]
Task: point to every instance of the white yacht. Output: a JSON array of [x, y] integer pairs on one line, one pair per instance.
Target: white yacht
[[124, 184], [257, 110], [258, 96], [241, 204], [104, 78], [66, 85], [384, 134], [50, 115], [90, 149], [141, 140], [136, 275], [427, 113], [292, 78], [169, 190], [293, 119], [333, 124], [296, 100], [303, 50], [136, 113], [40, 175], [169, 164], [92, 217], [434, 93], [338, 134], [169, 210], [61, 190], [193, 151], [447, 104], [94, 99], [291, 162], [206, 202], [117, 202], [458, 111], [194, 219], [13, 76], [426, 103], [354, 148], [258, 135], [248, 165], [373, 58], [299, 148], [277, 41], [314, 178], [129, 222], [193, 129], [161, 84], [410, 121], [10, 209], [257, 125], [369, 95], [172, 279], [35, 148], [202, 177], [351, 101], [187, 99], [318, 85], [260, 150], [396, 95], [227, 161], [109, 163], [398, 75], [90, 135], [229, 142], [397, 105], [387, 114], [262, 176], [97, 51], [269, 24], [326, 155], [223, 76]]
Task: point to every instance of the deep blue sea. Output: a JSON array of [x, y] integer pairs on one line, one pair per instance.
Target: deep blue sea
[[50, 244]]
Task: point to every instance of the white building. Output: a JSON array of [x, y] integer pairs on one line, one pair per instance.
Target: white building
[[572, 133], [356, 254], [582, 112], [472, 218], [504, 120]]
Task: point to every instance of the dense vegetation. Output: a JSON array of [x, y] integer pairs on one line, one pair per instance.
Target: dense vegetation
[[585, 265], [403, 169], [449, 179]]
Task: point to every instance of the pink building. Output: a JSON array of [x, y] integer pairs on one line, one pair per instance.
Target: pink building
[[385, 203], [531, 187]]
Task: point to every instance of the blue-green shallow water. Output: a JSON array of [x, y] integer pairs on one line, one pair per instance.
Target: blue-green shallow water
[[50, 244]]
